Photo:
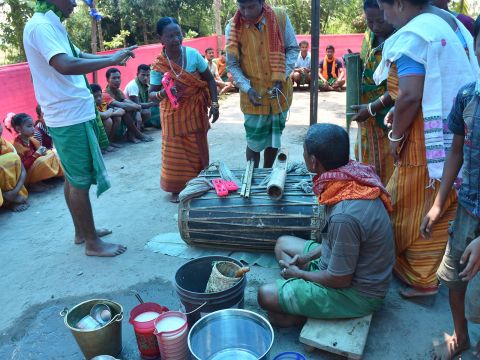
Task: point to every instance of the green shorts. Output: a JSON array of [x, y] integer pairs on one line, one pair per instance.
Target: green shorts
[[264, 131], [330, 82], [312, 300], [79, 152]]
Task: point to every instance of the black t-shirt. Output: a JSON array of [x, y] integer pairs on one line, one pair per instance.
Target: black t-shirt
[[329, 68]]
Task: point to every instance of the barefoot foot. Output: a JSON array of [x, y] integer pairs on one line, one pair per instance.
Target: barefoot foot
[[18, 207], [133, 139], [38, 187], [450, 348], [114, 144], [174, 198], [100, 233], [103, 249], [103, 232], [145, 138]]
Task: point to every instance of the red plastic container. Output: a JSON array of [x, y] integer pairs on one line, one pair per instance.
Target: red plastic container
[[146, 340]]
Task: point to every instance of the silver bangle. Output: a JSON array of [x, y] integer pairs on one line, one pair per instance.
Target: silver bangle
[[370, 111], [383, 104], [392, 139]]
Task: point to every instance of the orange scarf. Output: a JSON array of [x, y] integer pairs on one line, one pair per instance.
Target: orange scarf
[[221, 66], [325, 68], [353, 181], [276, 43], [193, 97]]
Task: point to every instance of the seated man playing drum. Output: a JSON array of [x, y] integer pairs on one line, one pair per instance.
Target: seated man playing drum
[[348, 274]]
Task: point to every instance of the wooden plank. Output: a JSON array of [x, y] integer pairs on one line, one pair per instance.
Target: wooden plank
[[346, 337]]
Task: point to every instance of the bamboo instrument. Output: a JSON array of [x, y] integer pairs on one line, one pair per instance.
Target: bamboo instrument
[[279, 173], [353, 66]]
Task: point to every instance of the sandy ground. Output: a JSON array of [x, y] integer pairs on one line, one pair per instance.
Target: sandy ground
[[43, 270]]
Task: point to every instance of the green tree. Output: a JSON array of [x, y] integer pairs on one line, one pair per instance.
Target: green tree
[[16, 13], [461, 6], [79, 27]]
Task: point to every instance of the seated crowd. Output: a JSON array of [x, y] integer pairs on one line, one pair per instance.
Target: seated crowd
[[30, 161], [331, 73]]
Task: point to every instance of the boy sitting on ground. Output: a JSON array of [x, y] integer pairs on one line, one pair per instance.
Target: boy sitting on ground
[[348, 274], [111, 117], [461, 261]]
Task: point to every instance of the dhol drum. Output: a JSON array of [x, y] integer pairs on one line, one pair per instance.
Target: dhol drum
[[254, 223]]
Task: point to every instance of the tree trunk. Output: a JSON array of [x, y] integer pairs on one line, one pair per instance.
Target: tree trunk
[[145, 31], [94, 41], [18, 22], [100, 35], [217, 11]]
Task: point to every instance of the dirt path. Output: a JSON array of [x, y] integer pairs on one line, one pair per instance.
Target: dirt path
[[40, 262]]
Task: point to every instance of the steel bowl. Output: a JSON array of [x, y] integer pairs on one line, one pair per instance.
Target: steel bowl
[[231, 334], [102, 313]]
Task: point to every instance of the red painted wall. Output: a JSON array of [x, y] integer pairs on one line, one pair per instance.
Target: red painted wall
[[17, 90]]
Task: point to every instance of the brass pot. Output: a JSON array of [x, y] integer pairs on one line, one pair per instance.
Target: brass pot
[[106, 340]]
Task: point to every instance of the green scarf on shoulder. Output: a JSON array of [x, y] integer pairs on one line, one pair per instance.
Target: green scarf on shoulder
[[142, 91], [43, 6]]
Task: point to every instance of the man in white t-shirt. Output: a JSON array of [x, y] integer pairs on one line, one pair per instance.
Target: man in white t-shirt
[[301, 73], [137, 91], [58, 69]]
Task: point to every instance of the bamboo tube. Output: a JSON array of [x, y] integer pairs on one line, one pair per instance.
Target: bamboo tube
[[279, 173], [353, 66]]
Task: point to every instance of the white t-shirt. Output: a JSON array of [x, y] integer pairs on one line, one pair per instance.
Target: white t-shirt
[[304, 63], [213, 69], [131, 89], [65, 99]]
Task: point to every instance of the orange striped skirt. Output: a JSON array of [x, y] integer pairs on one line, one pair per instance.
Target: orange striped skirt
[[417, 258], [183, 157], [376, 149]]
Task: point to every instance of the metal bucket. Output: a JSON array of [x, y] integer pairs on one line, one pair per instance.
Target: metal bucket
[[191, 281], [106, 340], [231, 334]]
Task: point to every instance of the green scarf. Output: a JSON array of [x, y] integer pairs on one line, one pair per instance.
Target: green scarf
[[117, 94], [43, 6], [370, 90], [142, 91]]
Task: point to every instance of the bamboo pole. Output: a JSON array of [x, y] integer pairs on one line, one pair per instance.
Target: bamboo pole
[[100, 35], [217, 8], [94, 41], [279, 174], [315, 46]]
